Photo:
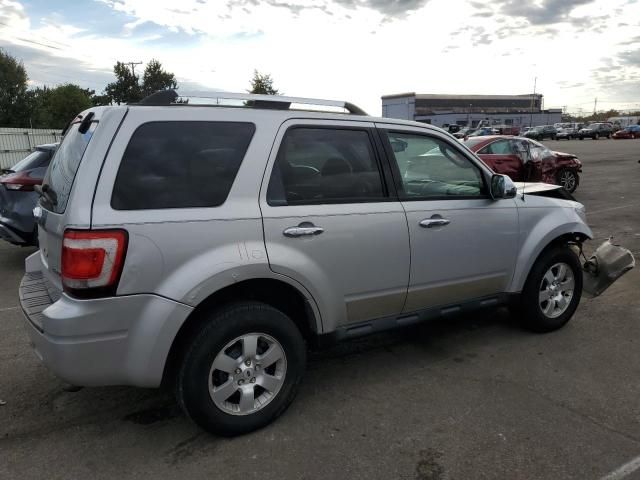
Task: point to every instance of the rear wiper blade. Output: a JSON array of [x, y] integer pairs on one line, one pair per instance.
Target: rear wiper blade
[[46, 192], [7, 170]]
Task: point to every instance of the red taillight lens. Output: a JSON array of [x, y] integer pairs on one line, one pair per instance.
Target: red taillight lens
[[19, 181], [92, 259]]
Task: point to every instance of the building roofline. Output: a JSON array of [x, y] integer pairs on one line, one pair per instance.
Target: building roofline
[[427, 96]]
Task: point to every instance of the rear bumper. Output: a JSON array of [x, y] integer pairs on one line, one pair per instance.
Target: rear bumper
[[108, 341]]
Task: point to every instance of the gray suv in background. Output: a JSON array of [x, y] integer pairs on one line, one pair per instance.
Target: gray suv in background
[[204, 246]]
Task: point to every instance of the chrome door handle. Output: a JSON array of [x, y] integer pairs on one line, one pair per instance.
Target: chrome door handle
[[302, 231], [434, 222]]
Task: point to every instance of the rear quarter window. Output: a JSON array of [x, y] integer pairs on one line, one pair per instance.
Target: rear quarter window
[[180, 165]]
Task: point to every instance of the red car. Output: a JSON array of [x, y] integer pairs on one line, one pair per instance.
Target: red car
[[526, 160], [632, 131]]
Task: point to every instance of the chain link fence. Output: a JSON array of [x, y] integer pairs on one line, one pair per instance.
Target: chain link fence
[[17, 143]]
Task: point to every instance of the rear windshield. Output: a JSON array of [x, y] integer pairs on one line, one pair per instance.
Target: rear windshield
[[180, 164], [64, 165], [36, 159]]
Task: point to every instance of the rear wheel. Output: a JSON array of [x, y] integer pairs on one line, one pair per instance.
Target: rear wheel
[[552, 291], [242, 369], [569, 180]]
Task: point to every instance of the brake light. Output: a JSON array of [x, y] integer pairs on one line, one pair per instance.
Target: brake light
[[92, 261], [19, 181]]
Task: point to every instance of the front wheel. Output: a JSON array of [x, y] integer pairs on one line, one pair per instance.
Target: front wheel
[[552, 291], [568, 179], [596, 136], [242, 369]]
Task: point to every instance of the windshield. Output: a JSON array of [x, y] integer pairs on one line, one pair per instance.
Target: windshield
[[65, 163], [39, 158]]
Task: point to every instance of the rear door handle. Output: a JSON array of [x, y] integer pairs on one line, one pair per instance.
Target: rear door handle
[[303, 230], [434, 222]]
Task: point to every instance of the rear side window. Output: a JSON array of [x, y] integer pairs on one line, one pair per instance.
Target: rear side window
[[325, 165], [64, 165], [180, 165], [500, 147]]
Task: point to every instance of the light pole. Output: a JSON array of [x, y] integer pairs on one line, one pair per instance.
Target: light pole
[[535, 80]]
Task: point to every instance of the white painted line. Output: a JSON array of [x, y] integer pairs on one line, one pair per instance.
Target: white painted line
[[610, 209], [8, 308], [624, 471]]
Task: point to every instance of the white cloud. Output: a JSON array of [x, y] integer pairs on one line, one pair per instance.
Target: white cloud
[[361, 49]]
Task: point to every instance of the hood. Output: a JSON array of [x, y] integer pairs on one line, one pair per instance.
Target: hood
[[564, 155], [525, 187]]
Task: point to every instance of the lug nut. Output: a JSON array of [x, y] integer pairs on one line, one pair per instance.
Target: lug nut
[[241, 382], [248, 363], [238, 371], [253, 380], [257, 367]]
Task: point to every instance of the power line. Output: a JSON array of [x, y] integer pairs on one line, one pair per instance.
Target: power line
[[133, 66]]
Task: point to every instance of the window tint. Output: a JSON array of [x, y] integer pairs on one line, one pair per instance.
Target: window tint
[[500, 147], [180, 164], [322, 165], [430, 167], [65, 163]]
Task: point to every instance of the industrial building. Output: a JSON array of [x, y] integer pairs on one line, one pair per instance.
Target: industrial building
[[442, 110]]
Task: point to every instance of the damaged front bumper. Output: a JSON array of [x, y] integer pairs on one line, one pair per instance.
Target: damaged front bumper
[[607, 264]]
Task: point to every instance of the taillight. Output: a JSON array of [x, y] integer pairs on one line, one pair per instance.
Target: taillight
[[92, 261], [19, 181]]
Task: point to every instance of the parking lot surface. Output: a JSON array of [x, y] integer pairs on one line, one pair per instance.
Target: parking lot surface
[[471, 397]]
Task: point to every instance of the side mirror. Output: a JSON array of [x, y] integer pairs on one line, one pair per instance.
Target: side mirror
[[502, 187]]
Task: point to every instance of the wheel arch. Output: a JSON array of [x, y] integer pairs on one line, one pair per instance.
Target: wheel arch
[[278, 293], [531, 250]]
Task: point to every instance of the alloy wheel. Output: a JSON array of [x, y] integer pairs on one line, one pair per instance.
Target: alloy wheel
[[247, 374], [568, 180], [556, 290]]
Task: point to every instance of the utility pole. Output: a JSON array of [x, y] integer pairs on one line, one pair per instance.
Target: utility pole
[[133, 66], [595, 105], [535, 81]]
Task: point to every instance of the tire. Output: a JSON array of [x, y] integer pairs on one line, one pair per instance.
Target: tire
[[596, 136], [568, 179], [530, 307], [222, 340], [581, 138]]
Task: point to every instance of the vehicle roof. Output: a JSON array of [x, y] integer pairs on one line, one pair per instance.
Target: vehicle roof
[[283, 115]]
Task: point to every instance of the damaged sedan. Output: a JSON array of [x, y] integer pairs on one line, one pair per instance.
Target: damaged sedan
[[526, 160]]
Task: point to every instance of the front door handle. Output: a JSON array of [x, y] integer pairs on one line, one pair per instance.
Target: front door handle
[[434, 222], [302, 230]]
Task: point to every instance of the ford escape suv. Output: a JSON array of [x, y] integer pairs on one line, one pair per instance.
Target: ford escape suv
[[205, 245]]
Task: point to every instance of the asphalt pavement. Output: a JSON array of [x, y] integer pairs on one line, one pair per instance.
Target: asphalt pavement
[[471, 397]]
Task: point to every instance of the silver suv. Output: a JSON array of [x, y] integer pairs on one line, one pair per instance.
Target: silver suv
[[205, 246]]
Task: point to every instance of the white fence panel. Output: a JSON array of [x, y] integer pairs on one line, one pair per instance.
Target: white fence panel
[[17, 143]]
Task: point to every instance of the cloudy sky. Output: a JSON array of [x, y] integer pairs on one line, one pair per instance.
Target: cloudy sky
[[355, 50]]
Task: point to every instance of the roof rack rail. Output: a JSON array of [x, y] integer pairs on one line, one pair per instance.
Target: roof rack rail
[[277, 102]]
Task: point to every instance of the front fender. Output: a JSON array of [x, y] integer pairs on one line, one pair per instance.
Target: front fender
[[538, 231]]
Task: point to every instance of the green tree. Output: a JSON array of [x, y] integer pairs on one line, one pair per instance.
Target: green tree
[[262, 83], [13, 92], [126, 88], [54, 107], [155, 78]]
